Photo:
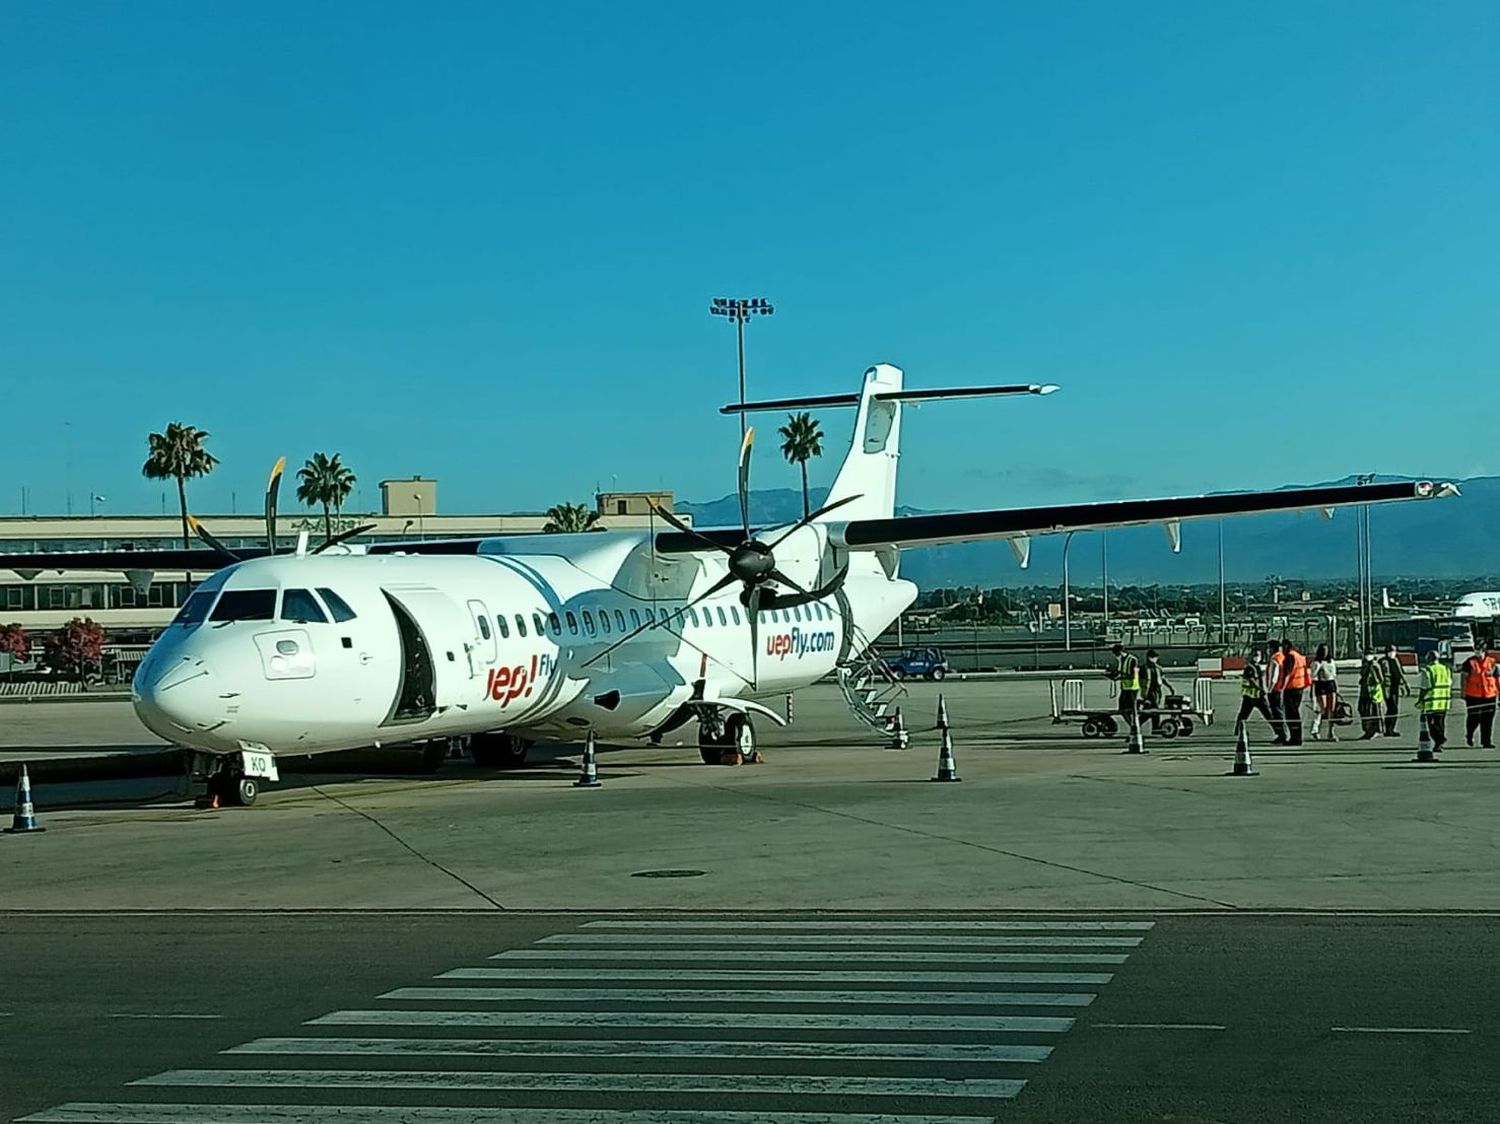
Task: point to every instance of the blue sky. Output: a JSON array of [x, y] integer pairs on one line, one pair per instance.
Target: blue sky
[[1256, 244]]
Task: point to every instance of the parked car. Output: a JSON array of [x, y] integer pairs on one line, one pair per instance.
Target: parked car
[[926, 663]]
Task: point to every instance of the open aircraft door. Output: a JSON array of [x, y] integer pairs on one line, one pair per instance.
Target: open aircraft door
[[437, 651]]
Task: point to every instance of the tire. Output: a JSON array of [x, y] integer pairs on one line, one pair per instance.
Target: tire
[[937, 673], [246, 789], [898, 673], [739, 733], [1091, 728], [1168, 728], [433, 755], [498, 751], [1187, 728], [1110, 727]]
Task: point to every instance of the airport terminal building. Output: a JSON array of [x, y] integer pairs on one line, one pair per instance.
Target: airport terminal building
[[133, 607]]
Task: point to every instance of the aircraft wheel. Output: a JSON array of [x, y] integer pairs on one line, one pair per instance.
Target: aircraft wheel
[[498, 751], [433, 756], [246, 789], [1091, 728], [740, 735]]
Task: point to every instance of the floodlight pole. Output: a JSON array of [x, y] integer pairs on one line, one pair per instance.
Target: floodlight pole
[[1067, 609], [739, 310]]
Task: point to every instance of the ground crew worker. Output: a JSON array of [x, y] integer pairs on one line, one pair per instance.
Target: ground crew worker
[[1395, 686], [1126, 671], [1481, 687], [1432, 700], [1253, 688], [1295, 680], [1371, 696], [1154, 687], [1273, 692]]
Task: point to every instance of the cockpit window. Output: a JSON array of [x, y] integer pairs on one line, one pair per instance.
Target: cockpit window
[[196, 608], [301, 607], [246, 605], [336, 605]]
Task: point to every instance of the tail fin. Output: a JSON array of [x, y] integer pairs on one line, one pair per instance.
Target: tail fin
[[869, 471]]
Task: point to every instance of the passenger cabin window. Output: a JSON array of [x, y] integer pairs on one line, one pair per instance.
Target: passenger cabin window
[[536, 620], [555, 623], [196, 608], [588, 622], [503, 627], [722, 618], [619, 620], [301, 607], [603, 620], [734, 614], [520, 625], [708, 617], [572, 623], [484, 626], [693, 616], [336, 605], [635, 619], [246, 605]]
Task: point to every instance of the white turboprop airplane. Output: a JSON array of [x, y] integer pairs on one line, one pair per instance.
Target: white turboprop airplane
[[511, 640]]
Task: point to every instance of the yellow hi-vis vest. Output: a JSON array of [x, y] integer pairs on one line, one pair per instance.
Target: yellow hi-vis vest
[[1253, 681], [1437, 686], [1372, 679], [1130, 672]]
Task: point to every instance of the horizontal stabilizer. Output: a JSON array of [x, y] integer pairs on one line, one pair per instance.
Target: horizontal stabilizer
[[836, 401]]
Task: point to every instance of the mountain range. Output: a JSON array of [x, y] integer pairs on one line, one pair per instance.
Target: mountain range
[[1449, 538]]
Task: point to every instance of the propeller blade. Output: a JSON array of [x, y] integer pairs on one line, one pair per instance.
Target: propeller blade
[[745, 479], [273, 487], [203, 533], [752, 608], [685, 529], [723, 583], [344, 536], [781, 579], [806, 519]]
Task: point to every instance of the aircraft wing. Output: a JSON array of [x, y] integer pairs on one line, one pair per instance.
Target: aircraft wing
[[971, 526], [192, 560]]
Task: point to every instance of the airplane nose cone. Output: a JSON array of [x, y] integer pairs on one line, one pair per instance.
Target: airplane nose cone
[[178, 700]]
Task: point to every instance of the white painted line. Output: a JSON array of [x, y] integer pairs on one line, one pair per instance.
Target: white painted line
[[1399, 1030], [792, 1084], [151, 1015], [815, 939], [594, 974], [652, 1048], [755, 925], [1159, 1026], [602, 957], [87, 1112], [669, 995], [745, 1020]]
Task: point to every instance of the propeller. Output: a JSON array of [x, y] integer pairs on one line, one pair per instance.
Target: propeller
[[273, 487], [343, 536], [752, 564]]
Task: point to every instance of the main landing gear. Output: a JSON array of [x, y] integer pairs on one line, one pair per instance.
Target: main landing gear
[[498, 750], [727, 739]]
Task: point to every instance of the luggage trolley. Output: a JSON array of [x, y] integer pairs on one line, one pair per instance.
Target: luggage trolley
[[1176, 716]]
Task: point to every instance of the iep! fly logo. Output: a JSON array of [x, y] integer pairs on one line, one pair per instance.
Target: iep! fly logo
[[506, 684], [798, 643]]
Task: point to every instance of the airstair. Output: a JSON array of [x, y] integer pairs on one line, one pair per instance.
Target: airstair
[[872, 694]]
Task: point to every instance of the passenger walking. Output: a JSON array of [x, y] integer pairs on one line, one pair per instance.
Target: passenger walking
[[1253, 688], [1273, 692], [1395, 686], [1325, 681], [1154, 687], [1126, 671], [1480, 690], [1295, 679], [1371, 696], [1432, 700]]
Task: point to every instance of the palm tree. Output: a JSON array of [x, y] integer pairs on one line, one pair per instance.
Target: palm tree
[[570, 518], [804, 439], [178, 454], [325, 480]]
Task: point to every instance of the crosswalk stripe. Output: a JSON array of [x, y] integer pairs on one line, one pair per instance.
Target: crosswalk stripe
[[759, 926], [742, 1019], [659, 995], [789, 956], [652, 1048], [787, 975], [793, 940], [794, 1084], [93, 1112]]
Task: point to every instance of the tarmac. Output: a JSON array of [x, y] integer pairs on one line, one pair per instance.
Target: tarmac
[[1072, 933]]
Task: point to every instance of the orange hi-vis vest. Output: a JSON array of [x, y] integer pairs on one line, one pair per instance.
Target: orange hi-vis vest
[[1277, 666], [1479, 677], [1294, 673]]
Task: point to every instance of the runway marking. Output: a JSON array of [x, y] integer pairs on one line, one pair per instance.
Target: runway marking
[[753, 1020], [151, 1015], [865, 956], [91, 1112], [793, 940], [660, 995], [793, 1084], [1159, 1026], [1399, 1030], [756, 926], [792, 975], [651, 1048]]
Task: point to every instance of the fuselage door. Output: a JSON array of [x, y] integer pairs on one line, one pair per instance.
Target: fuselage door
[[484, 635], [443, 654]]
